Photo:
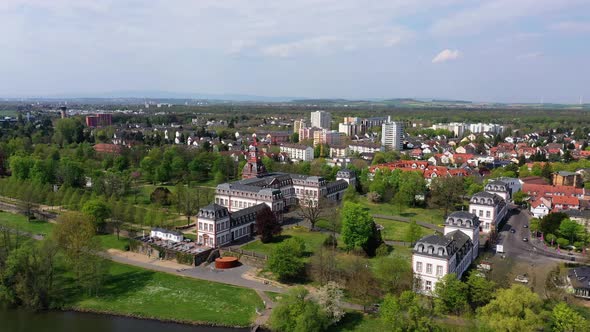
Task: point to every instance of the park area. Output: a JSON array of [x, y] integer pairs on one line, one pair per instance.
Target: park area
[[141, 293]]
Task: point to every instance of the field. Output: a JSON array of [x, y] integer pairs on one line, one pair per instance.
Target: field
[[109, 241], [313, 241], [17, 221], [432, 216], [142, 293], [397, 230]]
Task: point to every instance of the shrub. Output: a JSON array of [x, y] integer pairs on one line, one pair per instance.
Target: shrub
[[331, 241], [563, 242], [383, 250]]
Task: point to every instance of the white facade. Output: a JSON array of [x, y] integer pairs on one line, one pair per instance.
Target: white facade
[[435, 256], [490, 208], [298, 152], [321, 119], [540, 207], [166, 234], [499, 188], [392, 135]]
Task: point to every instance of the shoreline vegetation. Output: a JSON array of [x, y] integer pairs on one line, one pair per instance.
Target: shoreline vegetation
[[135, 292]]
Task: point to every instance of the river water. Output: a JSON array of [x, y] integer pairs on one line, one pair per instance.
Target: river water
[[18, 320]]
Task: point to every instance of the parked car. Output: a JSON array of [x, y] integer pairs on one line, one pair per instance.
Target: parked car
[[525, 239], [512, 230], [526, 226]]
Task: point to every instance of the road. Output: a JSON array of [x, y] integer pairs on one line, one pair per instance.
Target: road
[[533, 250]]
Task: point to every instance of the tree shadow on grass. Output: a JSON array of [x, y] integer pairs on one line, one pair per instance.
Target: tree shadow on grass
[[280, 238], [349, 322], [115, 286]]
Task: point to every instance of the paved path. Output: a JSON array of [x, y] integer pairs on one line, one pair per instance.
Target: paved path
[[233, 276]]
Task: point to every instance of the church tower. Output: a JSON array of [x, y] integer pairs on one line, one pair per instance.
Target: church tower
[[254, 167]]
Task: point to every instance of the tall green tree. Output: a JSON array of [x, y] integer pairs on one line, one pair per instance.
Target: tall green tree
[[481, 290], [357, 226], [450, 295], [565, 319], [296, 312], [514, 309], [285, 260], [98, 211], [446, 192]]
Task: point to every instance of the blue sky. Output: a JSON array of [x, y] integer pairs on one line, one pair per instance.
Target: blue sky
[[498, 50]]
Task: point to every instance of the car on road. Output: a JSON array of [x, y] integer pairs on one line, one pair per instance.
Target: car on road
[[526, 226], [525, 239], [512, 230]]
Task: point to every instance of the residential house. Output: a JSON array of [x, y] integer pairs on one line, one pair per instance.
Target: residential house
[[490, 208]]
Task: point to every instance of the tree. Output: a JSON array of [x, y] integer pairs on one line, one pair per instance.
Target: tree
[[413, 233], [394, 273], [322, 265], [565, 319], [446, 192], [481, 290], [514, 309], [74, 235], [357, 226], [547, 171], [551, 222], [295, 312], [27, 275], [267, 225], [405, 313], [98, 211], [570, 229], [313, 210], [450, 295], [520, 197], [187, 201], [330, 297], [285, 260]]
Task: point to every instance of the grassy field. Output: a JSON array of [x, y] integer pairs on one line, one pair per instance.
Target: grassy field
[[357, 322], [313, 241], [142, 293], [17, 221], [109, 241], [275, 297], [433, 216], [397, 230]]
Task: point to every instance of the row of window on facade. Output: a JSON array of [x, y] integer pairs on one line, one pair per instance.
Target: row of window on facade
[[234, 203], [219, 227], [439, 268], [307, 192], [488, 213]]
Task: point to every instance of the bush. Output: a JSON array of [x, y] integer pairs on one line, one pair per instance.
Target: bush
[[184, 258], [127, 247], [374, 197], [331, 241], [162, 196], [383, 250], [563, 242]]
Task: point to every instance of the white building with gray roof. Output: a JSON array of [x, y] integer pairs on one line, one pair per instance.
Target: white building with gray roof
[[435, 256], [490, 208]]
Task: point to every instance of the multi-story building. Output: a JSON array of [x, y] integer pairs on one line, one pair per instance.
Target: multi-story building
[[364, 147], [499, 188], [338, 151], [216, 226], [457, 128], [298, 152], [349, 129], [490, 208], [321, 119], [98, 120], [392, 135], [277, 190], [330, 137], [435, 256], [298, 124], [307, 133]]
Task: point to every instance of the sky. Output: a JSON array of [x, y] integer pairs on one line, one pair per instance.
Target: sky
[[498, 50]]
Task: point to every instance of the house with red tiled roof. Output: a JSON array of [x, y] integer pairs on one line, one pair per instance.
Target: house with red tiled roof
[[561, 203], [108, 148], [540, 207]]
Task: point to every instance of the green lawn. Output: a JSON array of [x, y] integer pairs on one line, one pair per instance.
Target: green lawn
[[433, 216], [313, 240], [357, 322], [397, 230], [275, 297], [142, 293], [17, 221], [109, 241]]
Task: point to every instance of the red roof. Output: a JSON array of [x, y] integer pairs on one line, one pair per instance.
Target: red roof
[[540, 190], [107, 148], [565, 200]]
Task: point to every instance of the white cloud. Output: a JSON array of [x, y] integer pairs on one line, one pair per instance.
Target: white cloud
[[316, 45], [571, 27], [446, 55]]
